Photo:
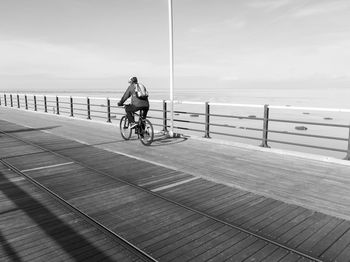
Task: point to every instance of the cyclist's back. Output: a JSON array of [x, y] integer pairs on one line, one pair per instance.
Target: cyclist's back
[[137, 102]]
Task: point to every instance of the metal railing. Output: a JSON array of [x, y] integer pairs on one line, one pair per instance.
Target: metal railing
[[211, 119]]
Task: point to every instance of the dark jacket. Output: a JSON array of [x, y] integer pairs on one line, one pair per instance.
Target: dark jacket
[[134, 100]]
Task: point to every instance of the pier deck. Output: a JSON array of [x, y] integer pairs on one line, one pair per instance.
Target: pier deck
[[187, 199]]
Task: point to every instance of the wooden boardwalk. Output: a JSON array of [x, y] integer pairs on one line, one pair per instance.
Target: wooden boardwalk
[[35, 227], [175, 215]]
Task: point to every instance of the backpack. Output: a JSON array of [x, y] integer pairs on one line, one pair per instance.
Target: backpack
[[141, 91]]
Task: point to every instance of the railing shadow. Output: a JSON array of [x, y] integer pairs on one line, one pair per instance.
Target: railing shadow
[[12, 192], [8, 250], [29, 129]]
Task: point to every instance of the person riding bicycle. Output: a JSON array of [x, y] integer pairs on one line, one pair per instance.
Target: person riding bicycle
[[139, 100]]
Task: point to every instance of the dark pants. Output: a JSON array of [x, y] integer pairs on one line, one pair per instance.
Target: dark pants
[[131, 109]]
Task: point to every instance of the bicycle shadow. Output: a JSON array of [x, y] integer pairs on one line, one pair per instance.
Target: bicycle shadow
[[164, 140]]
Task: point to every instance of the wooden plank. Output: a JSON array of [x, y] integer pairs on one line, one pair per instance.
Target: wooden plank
[[167, 229], [320, 247], [232, 202], [251, 211], [321, 234], [221, 252], [189, 242], [277, 255], [204, 195], [291, 223], [250, 223], [263, 253], [338, 247], [305, 230], [178, 240], [344, 255], [197, 251], [282, 220]]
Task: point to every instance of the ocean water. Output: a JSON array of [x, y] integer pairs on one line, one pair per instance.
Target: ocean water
[[325, 97]]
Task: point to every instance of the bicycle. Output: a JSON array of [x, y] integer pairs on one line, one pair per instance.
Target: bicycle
[[143, 129]]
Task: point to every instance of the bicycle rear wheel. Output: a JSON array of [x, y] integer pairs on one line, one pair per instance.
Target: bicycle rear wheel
[[147, 133], [125, 129]]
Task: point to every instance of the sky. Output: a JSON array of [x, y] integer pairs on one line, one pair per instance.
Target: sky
[[66, 45]]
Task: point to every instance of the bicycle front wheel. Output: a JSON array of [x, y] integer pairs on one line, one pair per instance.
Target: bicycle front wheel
[[125, 129], [147, 133]]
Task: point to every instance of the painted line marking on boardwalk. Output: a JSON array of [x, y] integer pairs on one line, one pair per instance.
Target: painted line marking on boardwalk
[[45, 167], [174, 184]]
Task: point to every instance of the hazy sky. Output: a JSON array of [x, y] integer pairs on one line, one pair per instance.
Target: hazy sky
[[45, 42]]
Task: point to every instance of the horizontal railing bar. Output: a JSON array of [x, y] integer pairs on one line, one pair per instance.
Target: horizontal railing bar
[[187, 113], [233, 135], [238, 117], [98, 105], [97, 116], [236, 105], [308, 123], [304, 145], [96, 98], [79, 114], [307, 135], [186, 128], [177, 102], [97, 111], [312, 108], [238, 127], [80, 109], [188, 121], [63, 107]]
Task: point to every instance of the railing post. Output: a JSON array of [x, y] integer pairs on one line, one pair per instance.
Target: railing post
[[71, 107], [88, 108], [108, 110], [35, 106], [26, 101], [11, 100], [207, 120], [57, 106], [265, 127], [45, 104], [5, 101], [347, 157], [18, 104], [165, 127], [0, 100]]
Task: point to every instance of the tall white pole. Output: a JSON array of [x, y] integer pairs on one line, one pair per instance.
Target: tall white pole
[[171, 42]]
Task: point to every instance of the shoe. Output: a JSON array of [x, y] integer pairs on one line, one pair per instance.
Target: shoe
[[133, 125]]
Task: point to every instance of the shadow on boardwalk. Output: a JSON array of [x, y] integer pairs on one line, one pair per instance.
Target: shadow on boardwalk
[[40, 214]]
